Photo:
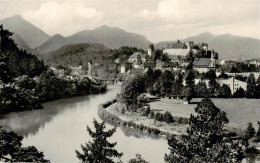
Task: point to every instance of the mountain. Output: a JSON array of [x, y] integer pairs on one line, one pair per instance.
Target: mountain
[[32, 35], [21, 44], [55, 42], [228, 46], [108, 36]]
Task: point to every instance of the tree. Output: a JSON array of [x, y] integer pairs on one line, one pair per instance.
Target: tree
[[151, 47], [207, 140], [250, 131], [157, 54], [132, 88], [164, 57], [201, 90], [138, 159], [168, 117], [177, 86], [188, 90], [166, 82], [211, 75], [100, 150], [189, 66], [148, 77], [11, 149], [258, 130], [213, 87], [224, 91], [251, 87], [240, 93]]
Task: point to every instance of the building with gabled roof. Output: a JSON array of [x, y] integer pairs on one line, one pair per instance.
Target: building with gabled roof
[[138, 58], [205, 64]]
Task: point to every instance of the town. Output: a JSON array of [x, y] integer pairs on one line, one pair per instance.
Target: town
[[133, 81]]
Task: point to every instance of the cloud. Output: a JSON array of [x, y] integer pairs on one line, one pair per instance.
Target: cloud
[[209, 12], [63, 17], [157, 19]]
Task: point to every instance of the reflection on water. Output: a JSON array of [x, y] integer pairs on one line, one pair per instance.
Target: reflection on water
[[60, 128], [29, 122]]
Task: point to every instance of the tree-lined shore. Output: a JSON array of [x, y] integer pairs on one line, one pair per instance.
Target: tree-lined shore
[[26, 82]]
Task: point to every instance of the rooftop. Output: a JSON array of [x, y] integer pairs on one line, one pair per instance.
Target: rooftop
[[202, 62]]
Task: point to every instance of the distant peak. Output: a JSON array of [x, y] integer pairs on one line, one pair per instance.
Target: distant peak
[[227, 34], [16, 17], [58, 36], [104, 27], [206, 33]]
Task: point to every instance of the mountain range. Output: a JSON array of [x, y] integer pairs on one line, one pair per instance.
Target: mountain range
[[228, 46], [29, 37]]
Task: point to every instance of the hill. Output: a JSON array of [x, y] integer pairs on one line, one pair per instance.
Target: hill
[[76, 54], [228, 46], [108, 36], [56, 41], [32, 35]]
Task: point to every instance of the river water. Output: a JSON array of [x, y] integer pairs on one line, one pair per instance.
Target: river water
[[60, 128]]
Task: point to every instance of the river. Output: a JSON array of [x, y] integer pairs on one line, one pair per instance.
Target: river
[[60, 128]]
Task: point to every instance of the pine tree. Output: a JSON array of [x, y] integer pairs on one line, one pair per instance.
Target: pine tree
[[11, 149], [206, 139], [250, 131], [100, 150], [251, 87]]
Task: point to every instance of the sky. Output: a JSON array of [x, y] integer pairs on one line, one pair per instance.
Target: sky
[[158, 20]]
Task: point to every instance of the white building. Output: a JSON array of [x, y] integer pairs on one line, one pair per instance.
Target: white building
[[122, 69], [233, 83], [255, 62], [177, 49]]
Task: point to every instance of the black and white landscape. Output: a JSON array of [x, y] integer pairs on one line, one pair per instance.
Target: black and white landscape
[[130, 81]]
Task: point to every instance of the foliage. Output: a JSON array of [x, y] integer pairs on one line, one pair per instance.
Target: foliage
[[213, 88], [157, 55], [201, 90], [50, 87], [18, 99], [11, 149], [99, 150], [258, 130], [138, 159], [252, 154], [211, 75], [177, 85], [224, 91], [188, 91], [206, 139], [250, 131], [132, 88], [251, 87], [240, 93], [166, 82]]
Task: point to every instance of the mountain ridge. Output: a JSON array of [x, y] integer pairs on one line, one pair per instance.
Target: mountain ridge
[[32, 35], [27, 36], [227, 45]]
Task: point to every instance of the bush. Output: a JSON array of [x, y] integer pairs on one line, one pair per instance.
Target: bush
[[168, 117]]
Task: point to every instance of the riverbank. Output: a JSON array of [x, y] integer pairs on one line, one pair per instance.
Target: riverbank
[[237, 111], [29, 94], [109, 111]]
